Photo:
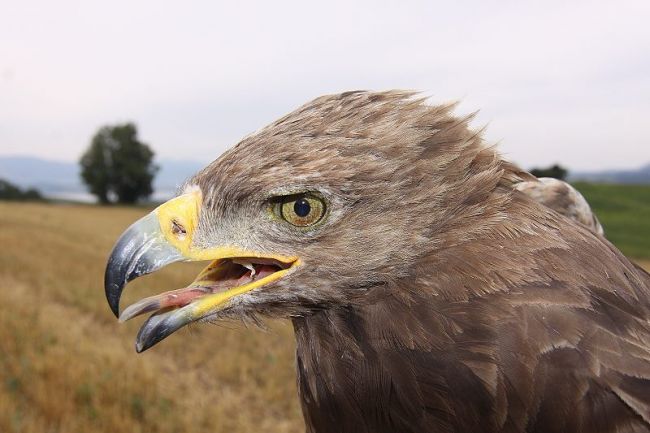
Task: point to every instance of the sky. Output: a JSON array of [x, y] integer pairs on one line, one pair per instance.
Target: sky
[[555, 81]]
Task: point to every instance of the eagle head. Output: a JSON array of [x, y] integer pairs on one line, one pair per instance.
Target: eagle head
[[341, 197]]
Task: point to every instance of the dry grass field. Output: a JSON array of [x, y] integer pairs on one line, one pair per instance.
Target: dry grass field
[[66, 365]]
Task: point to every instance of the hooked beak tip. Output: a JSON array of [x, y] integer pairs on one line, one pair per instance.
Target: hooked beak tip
[[113, 299]]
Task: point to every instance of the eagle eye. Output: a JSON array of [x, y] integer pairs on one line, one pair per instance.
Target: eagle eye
[[301, 210]]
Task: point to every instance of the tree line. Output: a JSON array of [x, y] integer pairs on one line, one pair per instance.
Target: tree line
[[9, 191]]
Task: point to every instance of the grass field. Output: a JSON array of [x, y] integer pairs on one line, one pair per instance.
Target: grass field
[[66, 365], [624, 211]]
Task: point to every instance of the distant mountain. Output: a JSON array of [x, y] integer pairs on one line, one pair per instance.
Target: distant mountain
[[640, 176], [60, 179]]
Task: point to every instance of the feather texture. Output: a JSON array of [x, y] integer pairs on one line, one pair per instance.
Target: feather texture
[[435, 297]]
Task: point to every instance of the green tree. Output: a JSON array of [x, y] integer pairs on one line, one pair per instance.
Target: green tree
[[556, 171], [117, 166]]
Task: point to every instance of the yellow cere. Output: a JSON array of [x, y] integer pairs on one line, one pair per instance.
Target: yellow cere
[[178, 219]]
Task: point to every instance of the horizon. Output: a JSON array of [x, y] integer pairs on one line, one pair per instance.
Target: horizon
[[201, 164]]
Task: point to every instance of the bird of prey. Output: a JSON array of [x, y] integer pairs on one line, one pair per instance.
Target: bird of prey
[[563, 198], [426, 292]]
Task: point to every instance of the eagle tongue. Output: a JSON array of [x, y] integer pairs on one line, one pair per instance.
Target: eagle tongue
[[173, 298], [181, 297]]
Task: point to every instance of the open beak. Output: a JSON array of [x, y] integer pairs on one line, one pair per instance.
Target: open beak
[[165, 236]]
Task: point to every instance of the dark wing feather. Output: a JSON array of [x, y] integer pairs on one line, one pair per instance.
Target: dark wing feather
[[548, 333]]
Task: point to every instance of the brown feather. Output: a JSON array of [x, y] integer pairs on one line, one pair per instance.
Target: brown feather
[[435, 297]]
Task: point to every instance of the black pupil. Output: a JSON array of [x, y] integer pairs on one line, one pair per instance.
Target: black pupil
[[302, 207]]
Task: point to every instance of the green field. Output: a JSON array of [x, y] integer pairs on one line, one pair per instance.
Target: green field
[[624, 212]]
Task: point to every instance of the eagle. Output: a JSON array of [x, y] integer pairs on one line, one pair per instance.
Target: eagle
[[426, 291]]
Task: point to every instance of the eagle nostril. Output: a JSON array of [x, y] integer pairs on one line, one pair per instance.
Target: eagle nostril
[[178, 230]]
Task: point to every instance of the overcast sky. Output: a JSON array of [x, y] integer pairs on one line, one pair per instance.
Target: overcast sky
[[556, 81]]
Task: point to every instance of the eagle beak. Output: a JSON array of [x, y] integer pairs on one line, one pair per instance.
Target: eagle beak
[[165, 236], [152, 242]]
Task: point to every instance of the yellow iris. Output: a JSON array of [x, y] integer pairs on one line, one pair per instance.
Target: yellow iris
[[302, 210]]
